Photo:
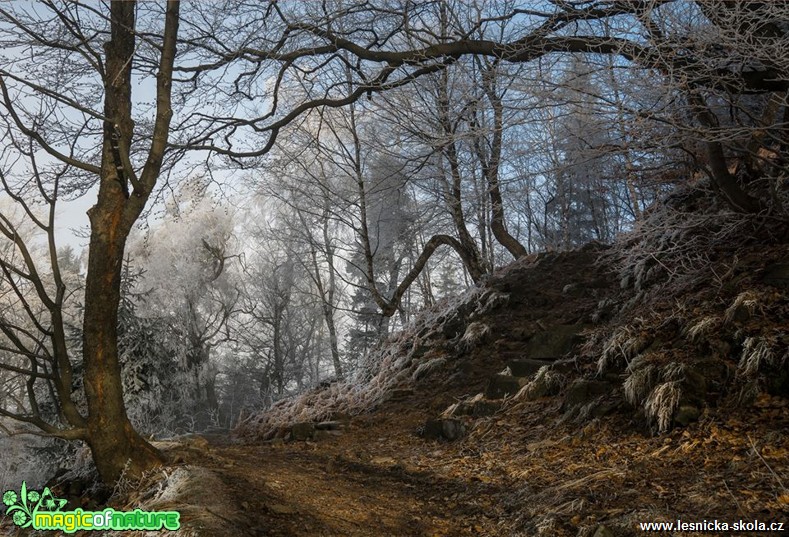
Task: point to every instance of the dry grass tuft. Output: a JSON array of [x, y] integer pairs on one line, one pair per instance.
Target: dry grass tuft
[[747, 301], [662, 402], [619, 349], [426, 368], [757, 353], [640, 383], [545, 382], [475, 334], [703, 328]]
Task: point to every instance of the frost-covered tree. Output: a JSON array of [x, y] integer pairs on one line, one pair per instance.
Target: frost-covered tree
[[156, 389], [191, 286], [383, 247], [243, 71], [280, 323]]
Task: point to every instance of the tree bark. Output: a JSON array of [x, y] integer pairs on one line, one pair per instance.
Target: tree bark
[[737, 198], [116, 447], [490, 168]]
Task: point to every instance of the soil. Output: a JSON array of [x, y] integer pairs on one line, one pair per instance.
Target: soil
[[517, 473], [527, 470]]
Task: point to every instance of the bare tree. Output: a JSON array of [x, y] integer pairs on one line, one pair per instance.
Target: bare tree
[[73, 34], [248, 70]]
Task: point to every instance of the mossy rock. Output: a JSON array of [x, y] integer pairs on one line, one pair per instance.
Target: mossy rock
[[500, 386], [555, 342], [582, 392]]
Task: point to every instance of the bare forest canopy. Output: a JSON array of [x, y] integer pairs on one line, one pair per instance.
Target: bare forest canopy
[[278, 185]]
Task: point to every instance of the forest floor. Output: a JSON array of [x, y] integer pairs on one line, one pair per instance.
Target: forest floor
[[526, 470], [531, 468], [381, 478]]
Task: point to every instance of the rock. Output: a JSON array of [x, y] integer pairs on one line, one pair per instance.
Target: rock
[[686, 414], [419, 351], [481, 409], [280, 509], [777, 275], [477, 408], [329, 425], [604, 311], [564, 367], [444, 428], [452, 326], [585, 391], [500, 386], [302, 431], [778, 382], [520, 334], [526, 367], [740, 314], [603, 531], [603, 409], [555, 342]]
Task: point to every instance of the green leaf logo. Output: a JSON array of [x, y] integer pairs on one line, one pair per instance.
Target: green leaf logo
[[23, 507]]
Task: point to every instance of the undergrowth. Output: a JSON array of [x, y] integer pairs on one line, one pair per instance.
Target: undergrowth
[[426, 346]]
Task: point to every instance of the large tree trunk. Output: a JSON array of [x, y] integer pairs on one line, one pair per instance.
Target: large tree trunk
[[116, 447], [112, 440]]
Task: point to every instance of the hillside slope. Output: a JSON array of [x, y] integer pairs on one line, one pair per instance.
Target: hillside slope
[[575, 393]]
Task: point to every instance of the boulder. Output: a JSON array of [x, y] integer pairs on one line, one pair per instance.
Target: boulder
[[476, 408], [500, 386], [686, 414], [482, 409], [444, 428], [585, 391], [302, 431], [555, 342]]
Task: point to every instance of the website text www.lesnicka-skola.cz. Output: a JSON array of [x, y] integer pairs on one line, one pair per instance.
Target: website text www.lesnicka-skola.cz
[[715, 526]]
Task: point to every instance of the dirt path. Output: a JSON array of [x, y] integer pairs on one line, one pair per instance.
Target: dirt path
[[299, 490], [513, 475], [322, 489]]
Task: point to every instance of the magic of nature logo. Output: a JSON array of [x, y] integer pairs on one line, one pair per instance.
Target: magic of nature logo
[[42, 511]]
